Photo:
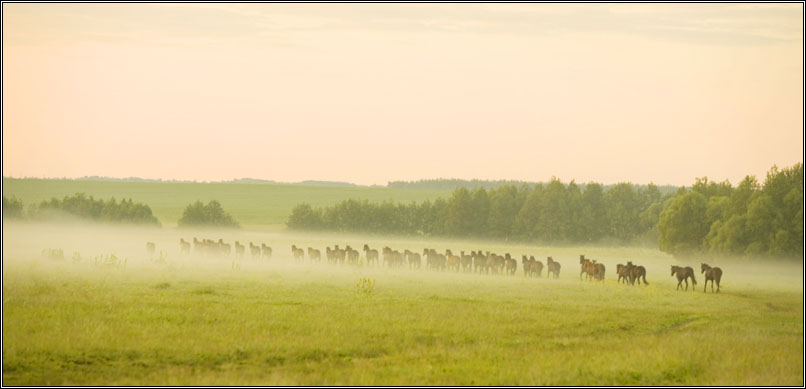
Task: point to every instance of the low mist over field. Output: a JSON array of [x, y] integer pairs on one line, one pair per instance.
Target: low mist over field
[[193, 319]]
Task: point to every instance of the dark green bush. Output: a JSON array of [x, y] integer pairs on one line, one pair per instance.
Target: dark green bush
[[125, 211], [212, 214]]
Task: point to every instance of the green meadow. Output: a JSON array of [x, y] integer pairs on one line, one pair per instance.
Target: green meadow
[[191, 320], [255, 206]]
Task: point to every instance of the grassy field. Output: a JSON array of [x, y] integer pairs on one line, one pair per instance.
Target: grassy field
[[255, 206], [197, 321]]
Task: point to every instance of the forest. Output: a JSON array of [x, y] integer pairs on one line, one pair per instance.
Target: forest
[[716, 218]]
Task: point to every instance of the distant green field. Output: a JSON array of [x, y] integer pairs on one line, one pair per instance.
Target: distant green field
[[200, 321], [261, 206]]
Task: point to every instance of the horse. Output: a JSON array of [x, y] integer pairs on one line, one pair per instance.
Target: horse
[[254, 250], [623, 272], [454, 262], [511, 264], [151, 248], [413, 259], [266, 250], [467, 262], [537, 266], [314, 254], [339, 254], [683, 273], [184, 246], [224, 247], [597, 270], [372, 254], [583, 266], [299, 254], [712, 274], [239, 249], [352, 255], [527, 266], [479, 261], [636, 273], [553, 267]]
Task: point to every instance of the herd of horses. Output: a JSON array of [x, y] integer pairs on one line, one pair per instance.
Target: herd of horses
[[474, 262]]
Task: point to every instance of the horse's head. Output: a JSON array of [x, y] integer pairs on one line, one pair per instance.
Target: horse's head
[[704, 267], [674, 269]]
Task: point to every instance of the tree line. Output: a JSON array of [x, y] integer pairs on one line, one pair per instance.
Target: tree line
[[751, 219], [83, 206], [551, 213], [707, 218], [453, 183], [124, 211]]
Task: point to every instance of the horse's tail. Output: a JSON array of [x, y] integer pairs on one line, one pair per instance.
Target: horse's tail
[[693, 280], [644, 277]]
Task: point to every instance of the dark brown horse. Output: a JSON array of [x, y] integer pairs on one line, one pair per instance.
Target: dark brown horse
[[583, 265], [623, 273], [636, 273], [598, 271], [537, 266], [712, 274], [683, 274]]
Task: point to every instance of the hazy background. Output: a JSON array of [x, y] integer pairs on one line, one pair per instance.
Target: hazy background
[[373, 93]]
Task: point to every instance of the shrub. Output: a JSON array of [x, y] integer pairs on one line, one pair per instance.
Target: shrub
[[12, 208], [125, 211], [212, 214]]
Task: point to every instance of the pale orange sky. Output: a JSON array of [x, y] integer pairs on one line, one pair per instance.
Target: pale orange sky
[[373, 93]]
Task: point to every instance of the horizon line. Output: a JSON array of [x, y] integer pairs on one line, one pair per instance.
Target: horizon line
[[346, 183]]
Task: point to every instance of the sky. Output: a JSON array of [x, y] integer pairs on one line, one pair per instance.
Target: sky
[[371, 93]]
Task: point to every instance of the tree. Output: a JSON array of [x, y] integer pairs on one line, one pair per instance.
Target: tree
[[576, 231], [593, 216], [552, 225], [303, 216], [87, 207], [623, 211], [504, 207], [211, 214], [530, 214], [459, 216], [683, 224], [479, 212], [12, 208]]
